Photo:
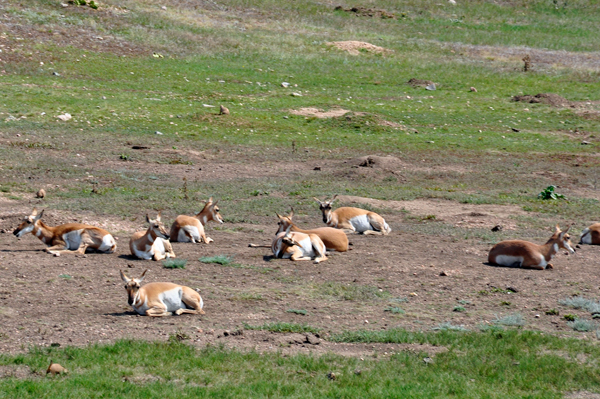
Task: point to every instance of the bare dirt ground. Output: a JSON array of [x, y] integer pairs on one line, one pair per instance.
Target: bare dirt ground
[[76, 300]]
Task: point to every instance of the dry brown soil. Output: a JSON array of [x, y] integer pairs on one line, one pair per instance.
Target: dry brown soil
[[76, 300]]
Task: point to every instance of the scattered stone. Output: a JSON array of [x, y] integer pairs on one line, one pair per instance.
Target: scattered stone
[[357, 372], [428, 360], [223, 110], [295, 94], [430, 87], [64, 117], [55, 73], [474, 90], [514, 129], [331, 376], [317, 168], [585, 142], [285, 84], [41, 193], [512, 289], [159, 133], [443, 274], [208, 106], [312, 339], [497, 228]]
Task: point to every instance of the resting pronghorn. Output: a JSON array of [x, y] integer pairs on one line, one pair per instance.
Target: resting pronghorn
[[353, 219], [296, 246], [152, 243], [191, 228], [70, 237], [591, 235], [334, 239], [161, 299], [520, 253]]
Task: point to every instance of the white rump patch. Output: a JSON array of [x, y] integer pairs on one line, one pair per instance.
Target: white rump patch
[[107, 243], [586, 237], [172, 299]]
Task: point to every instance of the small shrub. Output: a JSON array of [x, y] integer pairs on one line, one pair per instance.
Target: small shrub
[[505, 303], [284, 328], [399, 300], [174, 263], [464, 302], [552, 312], [515, 319], [549, 194], [178, 337], [458, 308], [569, 317], [298, 311], [583, 325], [219, 259], [578, 302], [395, 310]]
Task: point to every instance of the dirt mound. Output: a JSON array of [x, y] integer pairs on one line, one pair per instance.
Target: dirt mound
[[319, 113], [355, 47], [368, 12], [545, 98], [419, 82], [377, 162]]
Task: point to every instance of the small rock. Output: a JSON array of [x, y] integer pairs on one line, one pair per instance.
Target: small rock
[[443, 273], [474, 90], [55, 73], [164, 8], [285, 84], [537, 316], [159, 133], [512, 289], [208, 106], [295, 94], [317, 168], [585, 142], [223, 111], [357, 372], [497, 228], [331, 376], [514, 129], [64, 117], [311, 339], [41, 193], [413, 294], [430, 87], [428, 360]]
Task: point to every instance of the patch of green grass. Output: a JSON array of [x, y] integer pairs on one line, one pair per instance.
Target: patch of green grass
[[65, 276], [458, 308], [449, 326], [281, 327], [248, 296], [223, 260], [302, 312], [174, 263], [350, 291], [394, 310], [570, 317]]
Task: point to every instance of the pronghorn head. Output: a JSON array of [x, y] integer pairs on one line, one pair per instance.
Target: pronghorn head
[[287, 238], [562, 239], [28, 223], [132, 285], [211, 210], [284, 222], [157, 227], [325, 207]]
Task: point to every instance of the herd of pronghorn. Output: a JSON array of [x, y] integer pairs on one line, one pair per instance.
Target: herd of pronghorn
[[290, 241]]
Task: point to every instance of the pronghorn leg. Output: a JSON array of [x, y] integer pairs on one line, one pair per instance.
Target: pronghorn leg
[[157, 312], [379, 226], [56, 250], [319, 249], [168, 249], [373, 233], [298, 256], [192, 300], [86, 241], [191, 311], [206, 239]]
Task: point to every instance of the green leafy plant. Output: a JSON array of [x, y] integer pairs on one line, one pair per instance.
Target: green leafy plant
[[218, 259], [394, 309], [298, 311], [174, 263], [549, 194]]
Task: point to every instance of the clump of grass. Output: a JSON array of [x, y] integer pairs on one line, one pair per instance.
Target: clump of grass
[[399, 300], [569, 317], [458, 308], [552, 312], [65, 276], [174, 263], [248, 296], [395, 310], [578, 302], [464, 302], [351, 292], [449, 326], [583, 325], [281, 327], [515, 319], [298, 311], [223, 260]]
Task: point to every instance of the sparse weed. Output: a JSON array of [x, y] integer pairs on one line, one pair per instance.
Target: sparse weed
[[458, 308], [298, 311], [552, 312], [449, 326], [282, 327], [394, 310], [174, 263], [223, 260], [583, 325], [351, 292], [570, 317], [515, 320], [578, 302]]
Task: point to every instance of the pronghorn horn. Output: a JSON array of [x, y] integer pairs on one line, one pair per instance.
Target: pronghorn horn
[[124, 277], [158, 217], [557, 230]]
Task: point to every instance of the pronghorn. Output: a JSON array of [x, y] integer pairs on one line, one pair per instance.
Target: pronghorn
[[152, 243], [334, 239], [518, 253], [191, 228], [298, 246], [591, 235], [70, 237], [161, 299], [353, 219]]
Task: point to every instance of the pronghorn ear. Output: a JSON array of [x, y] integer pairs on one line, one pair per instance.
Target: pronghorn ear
[[291, 215], [279, 216], [148, 220], [210, 200], [557, 229], [141, 278], [124, 277], [318, 200], [333, 199], [39, 216], [158, 217], [567, 229]]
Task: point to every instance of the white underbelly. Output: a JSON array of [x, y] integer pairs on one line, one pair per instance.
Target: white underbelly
[[586, 237], [191, 231], [72, 239], [158, 247], [146, 253], [306, 247], [172, 299], [361, 223]]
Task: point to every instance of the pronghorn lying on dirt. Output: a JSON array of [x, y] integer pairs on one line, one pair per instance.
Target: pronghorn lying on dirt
[[296, 246], [354, 219], [191, 228], [161, 299], [70, 237], [152, 243], [591, 235], [334, 239], [520, 253]]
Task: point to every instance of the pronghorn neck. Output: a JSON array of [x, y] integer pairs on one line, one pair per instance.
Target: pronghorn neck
[[330, 217], [139, 298], [203, 217], [43, 232], [151, 235], [549, 249]]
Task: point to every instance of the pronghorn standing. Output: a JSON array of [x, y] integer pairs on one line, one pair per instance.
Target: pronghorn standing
[[334, 239], [298, 246], [518, 253], [161, 299], [191, 228], [152, 243], [354, 219], [591, 235], [70, 237]]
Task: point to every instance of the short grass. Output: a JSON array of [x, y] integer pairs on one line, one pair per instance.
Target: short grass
[[174, 263], [281, 327], [493, 364]]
